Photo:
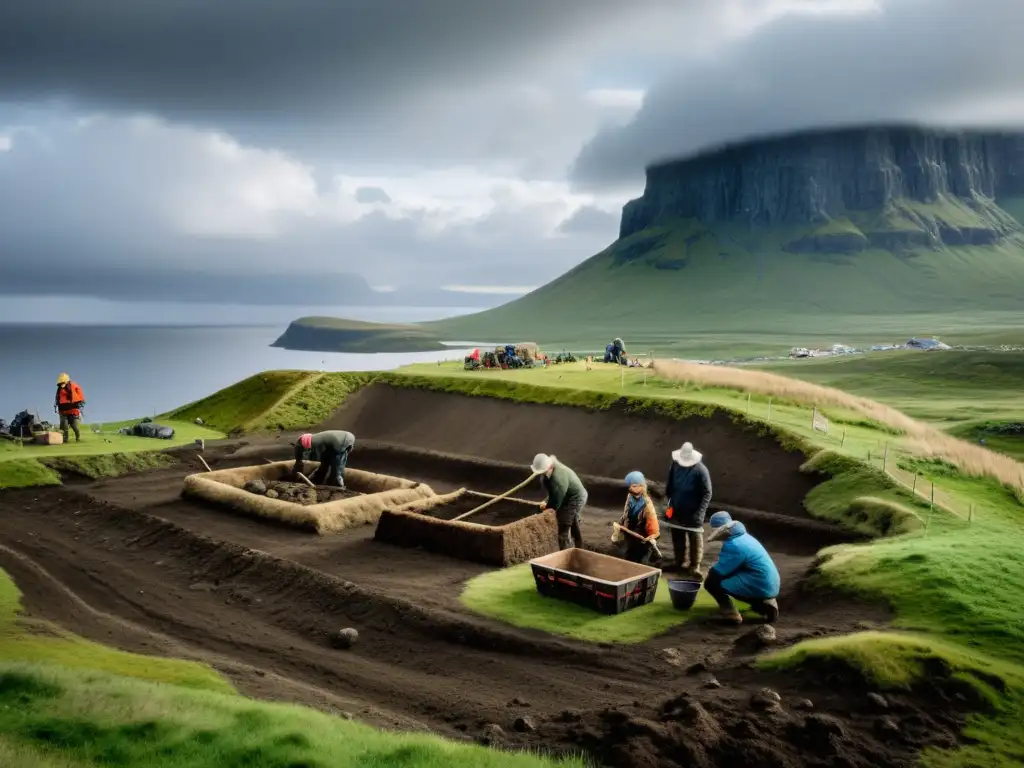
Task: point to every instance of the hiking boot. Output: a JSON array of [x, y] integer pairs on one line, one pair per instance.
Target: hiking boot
[[771, 611], [730, 615]]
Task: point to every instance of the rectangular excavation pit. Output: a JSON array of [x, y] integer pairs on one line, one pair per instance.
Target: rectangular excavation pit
[[509, 532], [374, 493], [600, 582]]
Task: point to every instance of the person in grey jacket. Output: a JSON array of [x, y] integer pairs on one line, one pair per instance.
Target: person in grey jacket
[[688, 494], [566, 496], [331, 449]]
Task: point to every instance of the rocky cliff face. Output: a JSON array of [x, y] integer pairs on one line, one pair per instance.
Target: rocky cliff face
[[897, 185]]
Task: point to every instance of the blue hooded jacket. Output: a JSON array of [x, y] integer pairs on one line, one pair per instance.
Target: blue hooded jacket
[[746, 568]]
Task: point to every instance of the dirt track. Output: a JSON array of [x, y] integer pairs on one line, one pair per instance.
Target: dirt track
[[163, 575]]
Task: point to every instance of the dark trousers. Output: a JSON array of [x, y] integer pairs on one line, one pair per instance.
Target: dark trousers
[[332, 468], [569, 517], [66, 421], [713, 584], [639, 551], [688, 547]]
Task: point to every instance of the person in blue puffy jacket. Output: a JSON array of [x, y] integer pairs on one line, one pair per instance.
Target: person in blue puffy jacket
[[744, 571]]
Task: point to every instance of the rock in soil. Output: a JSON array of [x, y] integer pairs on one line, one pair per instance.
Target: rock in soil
[[671, 656], [493, 735], [878, 702], [524, 725], [766, 698], [344, 638], [804, 704], [711, 682], [256, 486]]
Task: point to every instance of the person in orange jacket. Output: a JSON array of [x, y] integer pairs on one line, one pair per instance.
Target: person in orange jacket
[[68, 403], [640, 517]]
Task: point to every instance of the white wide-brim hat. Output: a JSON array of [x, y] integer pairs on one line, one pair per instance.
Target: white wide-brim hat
[[686, 456], [542, 463]]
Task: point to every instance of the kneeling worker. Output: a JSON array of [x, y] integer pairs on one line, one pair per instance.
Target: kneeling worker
[[641, 518], [566, 496], [331, 449], [744, 571]]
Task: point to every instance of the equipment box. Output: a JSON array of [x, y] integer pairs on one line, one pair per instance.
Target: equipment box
[[48, 438], [600, 582]]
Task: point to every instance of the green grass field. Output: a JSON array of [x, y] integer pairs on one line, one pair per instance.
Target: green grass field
[[107, 454], [510, 595]]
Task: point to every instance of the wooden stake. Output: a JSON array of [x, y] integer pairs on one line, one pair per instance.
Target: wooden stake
[[204, 463], [496, 499], [915, 482], [748, 402], [933, 497], [885, 458], [769, 410], [842, 440], [305, 479]]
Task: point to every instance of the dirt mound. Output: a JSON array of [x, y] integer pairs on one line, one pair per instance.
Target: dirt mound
[[300, 493], [747, 470]]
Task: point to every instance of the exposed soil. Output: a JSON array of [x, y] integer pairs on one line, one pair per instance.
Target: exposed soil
[[130, 563], [500, 512], [747, 469]]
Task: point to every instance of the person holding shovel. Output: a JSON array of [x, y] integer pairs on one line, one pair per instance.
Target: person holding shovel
[[638, 527], [744, 571], [331, 449], [566, 497], [688, 493]]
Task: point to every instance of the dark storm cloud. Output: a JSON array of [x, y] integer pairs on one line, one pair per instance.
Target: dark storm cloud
[[948, 62], [257, 57], [368, 195]]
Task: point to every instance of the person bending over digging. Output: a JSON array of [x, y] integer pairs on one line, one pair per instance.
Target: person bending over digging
[[640, 518], [331, 449], [688, 493], [744, 571], [566, 496]]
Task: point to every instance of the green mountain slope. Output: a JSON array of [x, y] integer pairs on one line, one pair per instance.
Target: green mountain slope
[[683, 277]]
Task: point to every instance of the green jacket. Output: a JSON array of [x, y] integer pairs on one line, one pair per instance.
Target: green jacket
[[563, 487]]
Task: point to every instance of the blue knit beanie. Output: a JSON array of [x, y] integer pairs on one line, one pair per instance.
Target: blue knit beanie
[[635, 478], [720, 519]]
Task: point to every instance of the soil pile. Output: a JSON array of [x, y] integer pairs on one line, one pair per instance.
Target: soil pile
[[299, 493]]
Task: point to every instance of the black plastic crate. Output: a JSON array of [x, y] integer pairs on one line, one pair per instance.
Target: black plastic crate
[[602, 583]]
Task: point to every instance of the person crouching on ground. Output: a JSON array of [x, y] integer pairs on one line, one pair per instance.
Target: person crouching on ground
[[744, 571], [566, 496], [688, 493], [331, 449], [68, 404], [639, 517]]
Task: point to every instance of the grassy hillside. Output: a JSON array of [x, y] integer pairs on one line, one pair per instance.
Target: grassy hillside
[[689, 290], [683, 278], [947, 387], [332, 334]]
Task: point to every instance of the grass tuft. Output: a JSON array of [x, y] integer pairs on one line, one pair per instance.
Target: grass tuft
[[26, 473], [106, 465]]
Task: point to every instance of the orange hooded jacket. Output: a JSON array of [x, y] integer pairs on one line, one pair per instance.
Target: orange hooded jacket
[[69, 399]]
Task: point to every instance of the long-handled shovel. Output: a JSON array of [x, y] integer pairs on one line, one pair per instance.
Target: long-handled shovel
[[488, 503], [635, 535]]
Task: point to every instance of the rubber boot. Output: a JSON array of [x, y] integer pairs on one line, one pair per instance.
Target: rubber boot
[[730, 615], [771, 611]]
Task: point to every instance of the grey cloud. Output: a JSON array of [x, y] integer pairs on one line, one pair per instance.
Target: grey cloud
[[945, 62], [369, 195], [593, 220]]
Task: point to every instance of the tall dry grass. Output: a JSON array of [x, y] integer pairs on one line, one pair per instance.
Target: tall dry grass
[[922, 439]]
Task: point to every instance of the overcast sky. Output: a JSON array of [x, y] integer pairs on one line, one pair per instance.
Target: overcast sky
[[423, 142]]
